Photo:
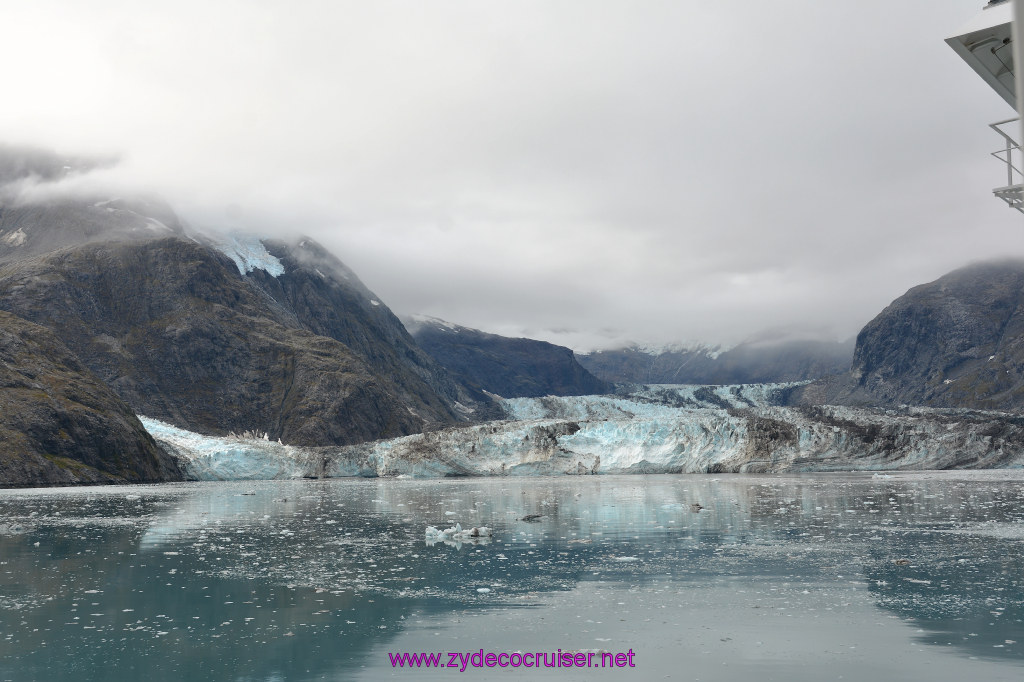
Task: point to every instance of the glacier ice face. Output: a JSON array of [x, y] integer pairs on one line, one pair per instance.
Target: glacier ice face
[[657, 429], [248, 253], [646, 402], [211, 458]]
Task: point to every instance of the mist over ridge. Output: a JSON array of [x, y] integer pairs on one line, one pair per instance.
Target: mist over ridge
[[583, 173]]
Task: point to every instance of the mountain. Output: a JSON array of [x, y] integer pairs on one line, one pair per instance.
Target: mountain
[[36, 218], [327, 298], [112, 307], [59, 424], [954, 342], [504, 366], [755, 362], [216, 333]]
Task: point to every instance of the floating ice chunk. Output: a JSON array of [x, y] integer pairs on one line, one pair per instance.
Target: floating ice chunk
[[457, 534]]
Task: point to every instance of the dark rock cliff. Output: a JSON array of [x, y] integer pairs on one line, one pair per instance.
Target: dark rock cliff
[[504, 366], [954, 342], [327, 298], [61, 425]]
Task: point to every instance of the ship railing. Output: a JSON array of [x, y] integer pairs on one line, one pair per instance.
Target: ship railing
[[1010, 154]]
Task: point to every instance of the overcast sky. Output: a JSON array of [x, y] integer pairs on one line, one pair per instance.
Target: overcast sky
[[582, 171]]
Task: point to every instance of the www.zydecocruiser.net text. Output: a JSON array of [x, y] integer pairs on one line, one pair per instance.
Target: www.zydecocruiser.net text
[[463, 660]]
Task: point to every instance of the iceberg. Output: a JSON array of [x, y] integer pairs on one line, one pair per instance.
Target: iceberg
[[456, 532]]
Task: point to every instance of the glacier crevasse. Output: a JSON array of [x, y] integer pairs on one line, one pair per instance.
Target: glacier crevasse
[[655, 429]]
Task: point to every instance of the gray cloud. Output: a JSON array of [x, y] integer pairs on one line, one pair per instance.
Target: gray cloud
[[580, 171]]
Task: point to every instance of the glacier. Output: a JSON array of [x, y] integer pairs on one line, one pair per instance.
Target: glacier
[[653, 429], [247, 251]]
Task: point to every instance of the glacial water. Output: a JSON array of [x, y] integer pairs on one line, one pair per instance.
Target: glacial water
[[816, 577]]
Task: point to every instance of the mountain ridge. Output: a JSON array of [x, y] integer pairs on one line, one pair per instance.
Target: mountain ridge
[[751, 362], [212, 331], [60, 424], [502, 365], [957, 341]]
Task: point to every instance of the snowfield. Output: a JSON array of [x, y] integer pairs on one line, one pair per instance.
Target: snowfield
[[655, 429]]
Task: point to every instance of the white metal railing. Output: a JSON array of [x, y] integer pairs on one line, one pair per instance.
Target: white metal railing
[[1013, 192]]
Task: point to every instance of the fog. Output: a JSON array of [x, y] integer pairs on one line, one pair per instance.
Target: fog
[[581, 171]]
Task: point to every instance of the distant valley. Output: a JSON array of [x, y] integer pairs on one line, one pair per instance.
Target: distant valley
[[747, 363]]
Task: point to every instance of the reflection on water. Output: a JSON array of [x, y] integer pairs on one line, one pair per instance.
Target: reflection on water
[[315, 579]]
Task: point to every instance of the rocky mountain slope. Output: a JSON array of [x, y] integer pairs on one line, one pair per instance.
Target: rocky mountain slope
[[193, 343], [501, 365], [327, 298], [59, 424], [760, 362], [214, 332], [954, 342]]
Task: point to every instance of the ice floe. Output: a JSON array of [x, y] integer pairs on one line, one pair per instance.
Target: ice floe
[[457, 532]]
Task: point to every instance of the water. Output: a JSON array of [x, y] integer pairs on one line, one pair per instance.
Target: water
[[916, 576]]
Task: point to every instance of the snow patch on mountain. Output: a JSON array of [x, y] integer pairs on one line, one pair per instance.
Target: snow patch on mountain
[[15, 238], [248, 253], [415, 322], [680, 348]]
